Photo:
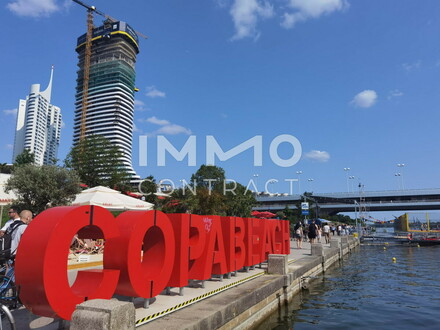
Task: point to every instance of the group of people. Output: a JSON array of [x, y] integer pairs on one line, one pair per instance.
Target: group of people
[[15, 226], [314, 232]]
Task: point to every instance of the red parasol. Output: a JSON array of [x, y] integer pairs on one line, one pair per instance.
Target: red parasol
[[264, 214]]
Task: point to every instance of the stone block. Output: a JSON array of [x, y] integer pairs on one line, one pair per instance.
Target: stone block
[[334, 243], [344, 239], [317, 249], [102, 314], [277, 264], [287, 280]]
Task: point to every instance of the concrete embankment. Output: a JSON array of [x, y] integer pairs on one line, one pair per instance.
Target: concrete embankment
[[238, 302], [246, 305]]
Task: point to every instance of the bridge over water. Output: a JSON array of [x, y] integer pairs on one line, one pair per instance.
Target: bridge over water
[[333, 203]]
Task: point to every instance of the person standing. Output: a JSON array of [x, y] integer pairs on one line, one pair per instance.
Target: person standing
[[17, 228], [13, 215], [319, 233], [326, 231]]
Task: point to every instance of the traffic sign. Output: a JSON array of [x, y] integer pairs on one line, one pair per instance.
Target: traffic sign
[[304, 206]]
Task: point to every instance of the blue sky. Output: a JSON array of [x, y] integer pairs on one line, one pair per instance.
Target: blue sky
[[356, 82]]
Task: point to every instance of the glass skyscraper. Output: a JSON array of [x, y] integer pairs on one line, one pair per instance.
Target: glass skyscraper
[[110, 101]]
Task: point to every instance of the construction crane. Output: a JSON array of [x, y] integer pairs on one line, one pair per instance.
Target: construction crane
[[87, 57]]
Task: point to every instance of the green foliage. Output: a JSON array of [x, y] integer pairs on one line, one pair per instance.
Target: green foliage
[[40, 187], [4, 215], [97, 162], [26, 157], [149, 187], [206, 202], [231, 200], [209, 172], [289, 214], [178, 202], [6, 168], [239, 203], [341, 218]]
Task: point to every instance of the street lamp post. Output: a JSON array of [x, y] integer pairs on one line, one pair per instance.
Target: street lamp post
[[299, 181], [351, 177], [310, 184], [398, 176], [356, 217], [401, 166], [347, 169]]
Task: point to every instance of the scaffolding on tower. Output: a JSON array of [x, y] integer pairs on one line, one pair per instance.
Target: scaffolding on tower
[[87, 57]]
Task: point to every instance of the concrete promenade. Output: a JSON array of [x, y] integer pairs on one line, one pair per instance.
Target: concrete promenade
[[240, 301]]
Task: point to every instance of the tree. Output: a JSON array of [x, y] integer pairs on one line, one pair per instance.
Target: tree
[[149, 187], [178, 202], [40, 187], [240, 201], [206, 202], [6, 168], [26, 157], [209, 172], [289, 214], [98, 163]]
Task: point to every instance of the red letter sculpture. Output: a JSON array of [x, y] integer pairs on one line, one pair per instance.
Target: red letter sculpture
[[41, 262], [144, 253]]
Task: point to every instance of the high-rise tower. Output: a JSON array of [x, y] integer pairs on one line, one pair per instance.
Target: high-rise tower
[[110, 97], [38, 125]]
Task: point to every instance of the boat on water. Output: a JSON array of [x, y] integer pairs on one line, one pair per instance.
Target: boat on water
[[428, 241], [420, 229]]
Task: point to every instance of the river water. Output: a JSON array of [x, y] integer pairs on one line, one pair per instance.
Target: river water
[[367, 290]]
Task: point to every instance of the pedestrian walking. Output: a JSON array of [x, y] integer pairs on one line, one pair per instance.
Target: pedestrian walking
[[313, 231], [298, 234], [326, 231]]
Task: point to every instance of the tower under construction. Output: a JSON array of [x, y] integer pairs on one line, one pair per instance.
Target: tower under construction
[[108, 95]]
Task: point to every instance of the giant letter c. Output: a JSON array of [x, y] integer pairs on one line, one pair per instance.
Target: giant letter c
[[41, 262]]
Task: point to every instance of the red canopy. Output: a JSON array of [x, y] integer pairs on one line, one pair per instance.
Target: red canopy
[[264, 214]]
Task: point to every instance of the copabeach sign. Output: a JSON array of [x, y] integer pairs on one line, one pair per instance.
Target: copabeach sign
[[145, 251]]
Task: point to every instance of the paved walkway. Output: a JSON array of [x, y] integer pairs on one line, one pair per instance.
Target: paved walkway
[[163, 303]]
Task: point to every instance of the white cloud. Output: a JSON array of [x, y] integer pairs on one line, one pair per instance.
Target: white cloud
[[365, 99], [222, 3], [33, 8], [63, 124], [318, 156], [408, 67], [157, 121], [11, 112], [167, 127], [136, 129], [173, 129], [307, 9], [245, 15], [139, 106], [9, 146], [394, 93], [153, 92]]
